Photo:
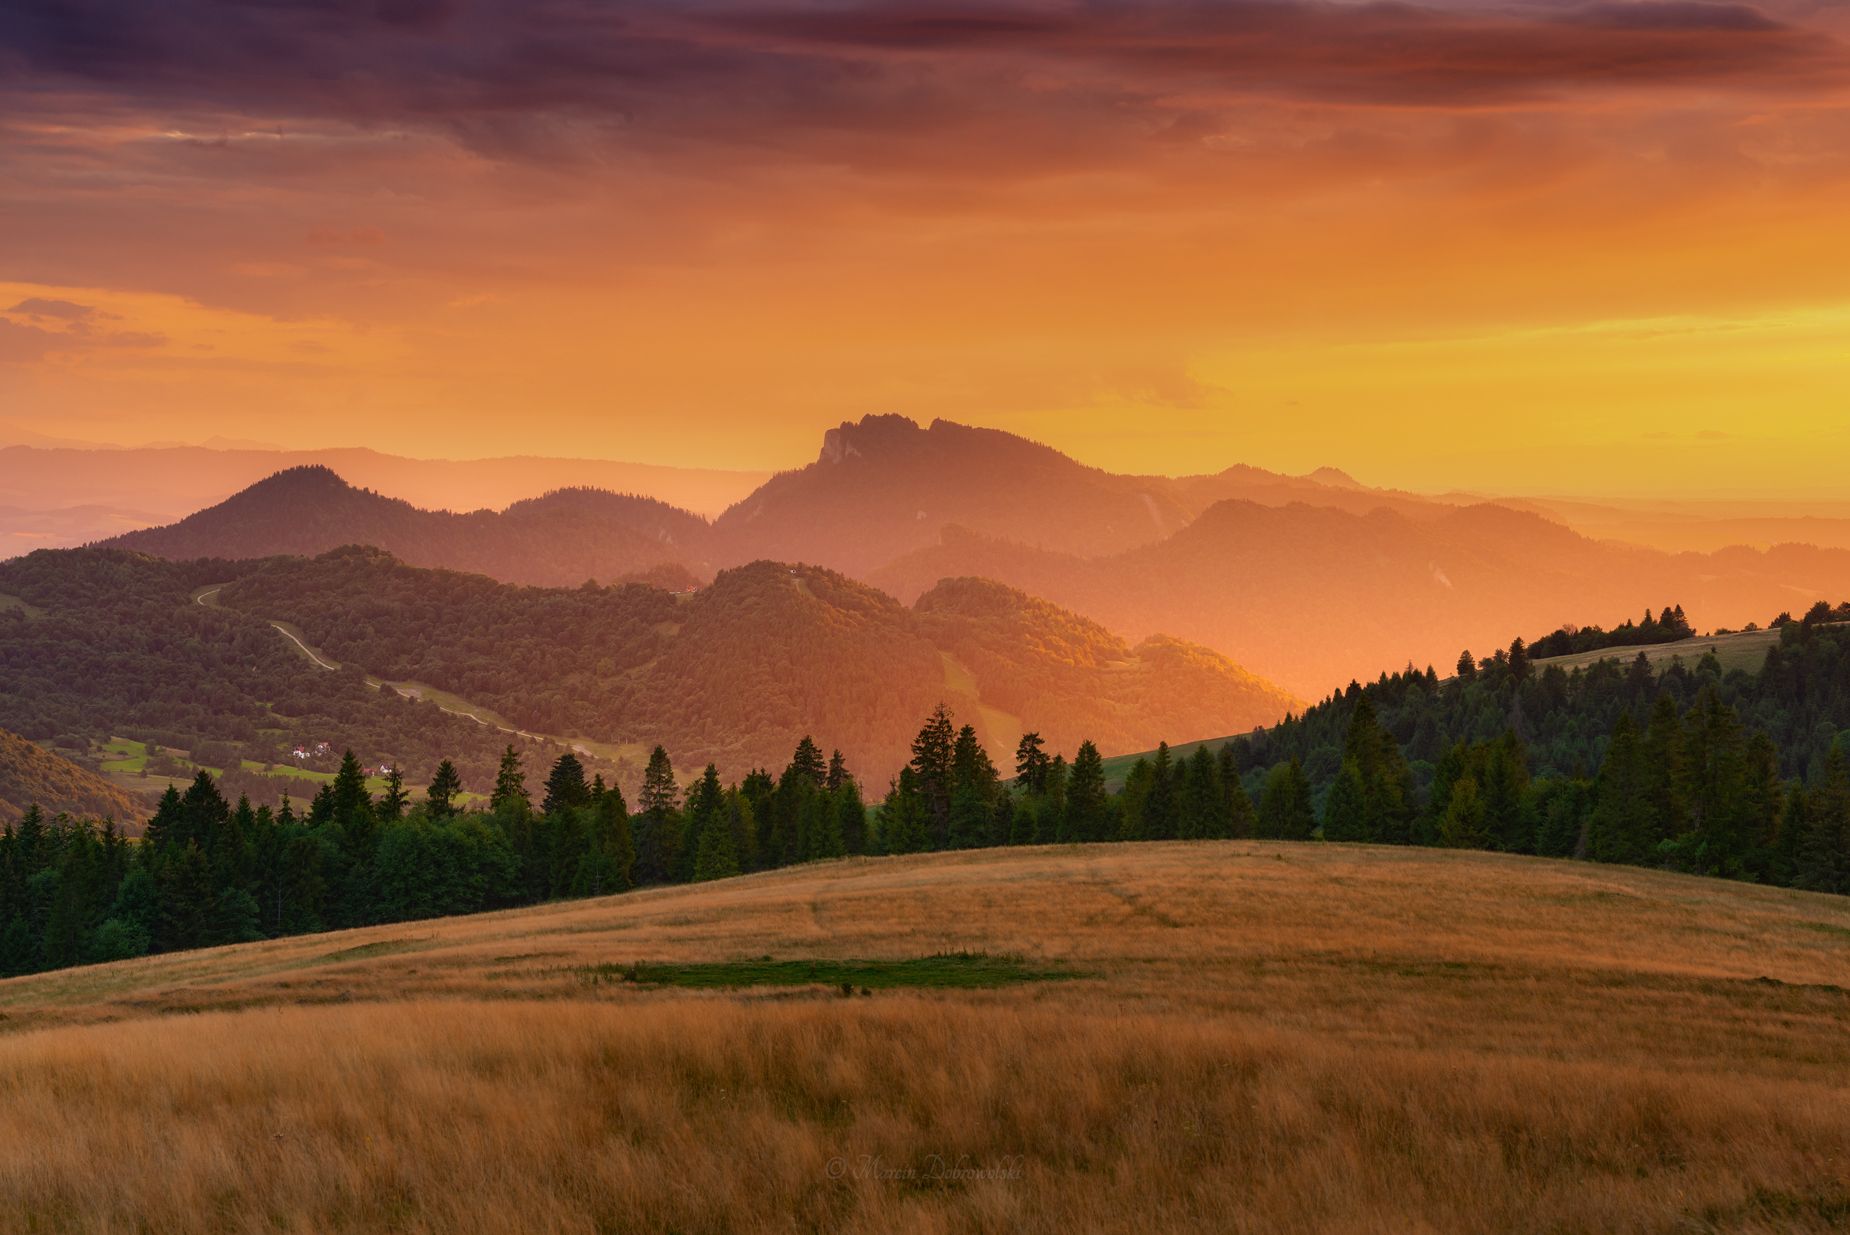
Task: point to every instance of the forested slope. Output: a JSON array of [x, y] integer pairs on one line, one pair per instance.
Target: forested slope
[[30, 776], [729, 673]]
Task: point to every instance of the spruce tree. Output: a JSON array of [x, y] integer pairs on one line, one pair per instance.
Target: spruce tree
[[565, 786], [818, 827], [609, 861], [1345, 812], [392, 803], [1207, 809], [509, 797], [1504, 785], [1285, 805], [1519, 661], [1385, 781], [905, 826], [1621, 826], [1824, 847], [188, 902], [1031, 763], [1713, 790], [742, 815], [851, 816], [660, 794], [1088, 813], [1463, 826], [657, 823], [1133, 802], [1050, 812], [970, 815], [1160, 806], [932, 754], [445, 785], [709, 821], [352, 804], [806, 764], [165, 828], [1241, 815]]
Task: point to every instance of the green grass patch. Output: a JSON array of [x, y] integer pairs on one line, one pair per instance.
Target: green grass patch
[[948, 970], [381, 947], [122, 755]]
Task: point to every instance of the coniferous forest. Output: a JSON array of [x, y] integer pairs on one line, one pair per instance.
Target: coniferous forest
[[1739, 775]]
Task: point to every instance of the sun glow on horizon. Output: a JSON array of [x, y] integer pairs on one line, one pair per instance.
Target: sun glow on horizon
[[1594, 252]]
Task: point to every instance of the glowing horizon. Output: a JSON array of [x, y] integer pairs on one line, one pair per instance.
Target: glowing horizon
[[1590, 249]]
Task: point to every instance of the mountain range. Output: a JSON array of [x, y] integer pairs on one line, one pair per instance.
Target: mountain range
[[1313, 597], [560, 538], [59, 495], [1307, 581]]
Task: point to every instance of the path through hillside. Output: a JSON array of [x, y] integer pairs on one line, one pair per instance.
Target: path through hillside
[[424, 692]]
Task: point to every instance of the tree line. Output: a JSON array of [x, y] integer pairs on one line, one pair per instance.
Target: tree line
[[1669, 626], [208, 871], [1740, 775]]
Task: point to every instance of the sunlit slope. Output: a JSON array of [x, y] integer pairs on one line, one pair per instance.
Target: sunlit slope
[[1744, 650], [1232, 1035]]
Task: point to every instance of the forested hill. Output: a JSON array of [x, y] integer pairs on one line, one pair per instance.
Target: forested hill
[[105, 643], [728, 673], [31, 776], [563, 537], [1728, 773]]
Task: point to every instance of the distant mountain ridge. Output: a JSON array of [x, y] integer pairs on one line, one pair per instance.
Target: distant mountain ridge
[[1305, 580], [1315, 596], [885, 486], [59, 495], [560, 538]]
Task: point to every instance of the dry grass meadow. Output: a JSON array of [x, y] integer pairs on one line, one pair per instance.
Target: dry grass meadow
[[1249, 1037]]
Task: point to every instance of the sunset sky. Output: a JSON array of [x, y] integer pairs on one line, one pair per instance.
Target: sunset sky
[[1544, 247]]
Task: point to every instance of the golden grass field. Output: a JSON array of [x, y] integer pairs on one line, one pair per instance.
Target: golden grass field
[[1256, 1037]]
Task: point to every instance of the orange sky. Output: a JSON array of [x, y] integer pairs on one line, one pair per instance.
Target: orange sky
[[1560, 248]]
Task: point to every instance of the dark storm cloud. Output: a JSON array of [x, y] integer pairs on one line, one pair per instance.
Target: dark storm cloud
[[537, 78], [1672, 15]]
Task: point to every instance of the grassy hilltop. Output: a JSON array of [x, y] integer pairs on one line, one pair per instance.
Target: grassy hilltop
[[1220, 1035]]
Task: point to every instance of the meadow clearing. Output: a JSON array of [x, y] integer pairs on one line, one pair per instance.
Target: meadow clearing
[[1229, 1036]]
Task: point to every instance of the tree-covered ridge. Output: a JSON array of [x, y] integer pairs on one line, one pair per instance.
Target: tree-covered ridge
[[29, 775], [1735, 774], [117, 646], [726, 674], [1669, 626]]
